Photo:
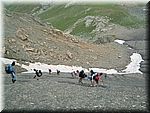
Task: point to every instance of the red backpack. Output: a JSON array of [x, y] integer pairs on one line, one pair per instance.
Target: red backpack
[[97, 77]]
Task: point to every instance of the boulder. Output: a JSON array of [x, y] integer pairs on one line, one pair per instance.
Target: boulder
[[74, 40], [105, 39], [30, 49], [22, 34], [144, 70], [69, 54]]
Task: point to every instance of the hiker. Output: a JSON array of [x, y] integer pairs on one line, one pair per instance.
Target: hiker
[[11, 70], [81, 76], [37, 73], [75, 74], [50, 71], [77, 71], [97, 78], [58, 72], [91, 77], [92, 72], [40, 73]]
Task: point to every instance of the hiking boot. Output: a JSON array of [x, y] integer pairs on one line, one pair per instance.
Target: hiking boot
[[13, 81]]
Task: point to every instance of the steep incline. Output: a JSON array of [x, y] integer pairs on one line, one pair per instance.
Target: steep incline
[[26, 39]]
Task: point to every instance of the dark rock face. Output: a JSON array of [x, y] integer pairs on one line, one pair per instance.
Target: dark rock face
[[144, 66], [105, 39]]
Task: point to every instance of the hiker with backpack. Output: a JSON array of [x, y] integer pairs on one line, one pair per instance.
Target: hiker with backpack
[[81, 76], [95, 77], [9, 68], [92, 73], [75, 73], [38, 73]]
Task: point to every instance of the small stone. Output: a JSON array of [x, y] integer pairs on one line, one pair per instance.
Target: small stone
[[30, 49], [78, 60], [133, 105], [138, 96], [31, 103], [87, 63], [69, 54], [13, 40], [119, 56]]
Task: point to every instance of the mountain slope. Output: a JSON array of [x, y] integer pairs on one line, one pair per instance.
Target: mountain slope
[[88, 21], [26, 39]]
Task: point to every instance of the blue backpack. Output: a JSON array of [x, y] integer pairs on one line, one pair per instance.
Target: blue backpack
[[7, 68]]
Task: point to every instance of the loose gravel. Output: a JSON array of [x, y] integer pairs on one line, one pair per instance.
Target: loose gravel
[[64, 93]]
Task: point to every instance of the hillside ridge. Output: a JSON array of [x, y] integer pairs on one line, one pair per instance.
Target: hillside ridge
[[27, 40]]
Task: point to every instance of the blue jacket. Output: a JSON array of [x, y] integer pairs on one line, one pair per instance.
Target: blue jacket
[[9, 69]]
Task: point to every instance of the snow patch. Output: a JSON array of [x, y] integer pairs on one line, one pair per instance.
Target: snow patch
[[120, 41], [133, 67]]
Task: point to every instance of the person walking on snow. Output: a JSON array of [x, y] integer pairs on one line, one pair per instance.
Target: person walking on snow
[[11, 70]]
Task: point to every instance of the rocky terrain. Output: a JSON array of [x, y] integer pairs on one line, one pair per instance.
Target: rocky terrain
[[62, 93], [28, 39]]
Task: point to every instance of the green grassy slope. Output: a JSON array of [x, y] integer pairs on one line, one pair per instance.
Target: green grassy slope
[[62, 17], [23, 8]]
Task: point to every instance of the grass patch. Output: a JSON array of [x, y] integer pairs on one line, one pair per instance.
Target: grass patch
[[63, 17], [80, 29]]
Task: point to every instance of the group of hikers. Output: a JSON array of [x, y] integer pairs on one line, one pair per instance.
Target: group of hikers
[[94, 77]]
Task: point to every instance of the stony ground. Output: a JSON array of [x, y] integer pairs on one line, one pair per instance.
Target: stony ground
[[64, 93]]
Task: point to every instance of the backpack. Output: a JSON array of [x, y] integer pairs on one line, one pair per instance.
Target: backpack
[[7, 68], [85, 75], [97, 77]]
